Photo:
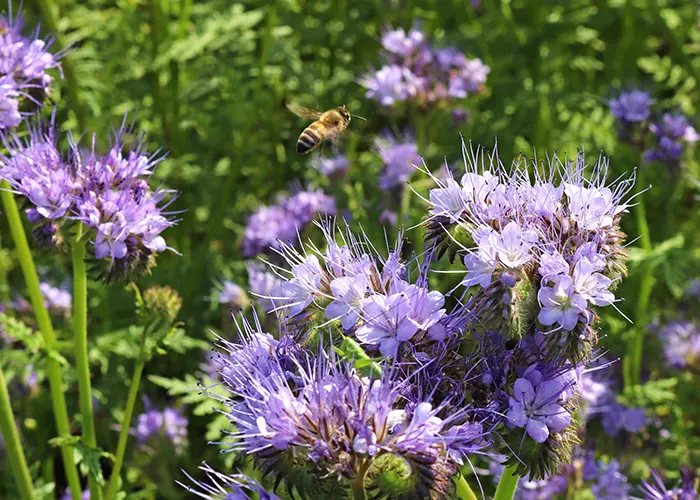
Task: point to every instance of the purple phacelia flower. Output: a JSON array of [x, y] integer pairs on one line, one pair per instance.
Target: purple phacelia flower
[[232, 295], [331, 167], [226, 486], [400, 161], [392, 84], [537, 404], [169, 423], [56, 299], [560, 304], [270, 227], [402, 44], [681, 343], [673, 133], [611, 483], [108, 193], [656, 490], [619, 417], [631, 107], [262, 283]]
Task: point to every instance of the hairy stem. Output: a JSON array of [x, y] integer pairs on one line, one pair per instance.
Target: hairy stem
[[126, 419], [13, 448], [81, 354], [53, 368], [507, 484]]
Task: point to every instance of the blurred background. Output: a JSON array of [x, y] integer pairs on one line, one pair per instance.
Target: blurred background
[[208, 81]]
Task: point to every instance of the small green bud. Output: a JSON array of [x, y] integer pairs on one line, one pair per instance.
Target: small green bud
[[162, 303]]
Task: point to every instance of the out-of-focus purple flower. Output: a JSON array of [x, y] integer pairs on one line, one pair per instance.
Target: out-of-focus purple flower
[[262, 283], [57, 299], [226, 486], [232, 295], [392, 84], [67, 495], [618, 417], [331, 167], [460, 116], [631, 107], [681, 342], [169, 423], [271, 226], [673, 133], [537, 402], [389, 218], [611, 483], [400, 160], [399, 43]]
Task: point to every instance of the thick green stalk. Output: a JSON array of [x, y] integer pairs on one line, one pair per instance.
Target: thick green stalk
[[81, 352], [13, 448], [507, 484], [53, 368], [49, 17], [464, 491], [126, 419], [633, 364]]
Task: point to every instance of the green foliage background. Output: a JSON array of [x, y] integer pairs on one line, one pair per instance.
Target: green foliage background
[[207, 80]]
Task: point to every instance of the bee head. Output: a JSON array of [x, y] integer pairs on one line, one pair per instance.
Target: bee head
[[343, 112]]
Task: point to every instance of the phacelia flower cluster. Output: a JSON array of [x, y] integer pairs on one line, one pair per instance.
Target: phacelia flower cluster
[[672, 135], [170, 424], [417, 72], [108, 194], [289, 405], [400, 158], [332, 167], [681, 343], [271, 226], [24, 78]]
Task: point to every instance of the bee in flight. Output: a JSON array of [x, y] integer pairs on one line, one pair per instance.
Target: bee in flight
[[327, 126]]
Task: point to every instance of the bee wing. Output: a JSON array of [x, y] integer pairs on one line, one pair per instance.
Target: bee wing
[[304, 112]]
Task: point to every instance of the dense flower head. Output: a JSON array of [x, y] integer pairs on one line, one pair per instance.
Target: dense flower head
[[24, 65], [541, 247], [108, 193], [272, 226], [417, 72], [169, 423], [367, 294], [284, 398], [400, 158], [673, 133], [681, 343]]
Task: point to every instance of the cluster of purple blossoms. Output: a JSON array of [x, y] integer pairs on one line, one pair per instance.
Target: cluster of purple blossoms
[[540, 252], [369, 296], [417, 72], [672, 134], [598, 400], [271, 226], [681, 343], [24, 81], [285, 402], [56, 300], [226, 486], [400, 159], [232, 295], [107, 193], [169, 423]]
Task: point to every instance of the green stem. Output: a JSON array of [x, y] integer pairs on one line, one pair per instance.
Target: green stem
[[13, 448], [81, 351], [358, 484], [53, 368], [49, 17], [464, 491], [633, 365], [126, 419], [507, 484]]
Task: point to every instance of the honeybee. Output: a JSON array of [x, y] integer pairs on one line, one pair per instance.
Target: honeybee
[[327, 126]]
